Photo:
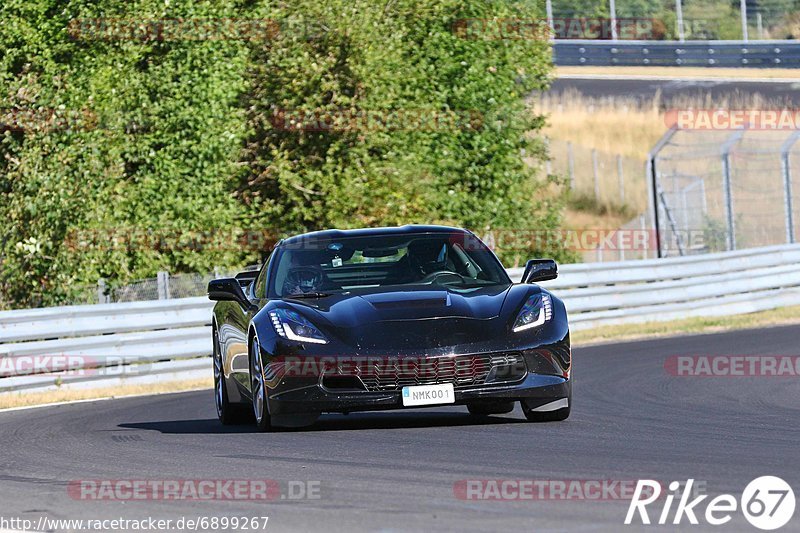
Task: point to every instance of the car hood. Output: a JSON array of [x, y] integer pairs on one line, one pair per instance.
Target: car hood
[[353, 309], [411, 319]]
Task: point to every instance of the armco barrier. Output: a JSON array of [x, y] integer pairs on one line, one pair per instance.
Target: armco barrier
[[162, 337], [729, 283], [775, 54]]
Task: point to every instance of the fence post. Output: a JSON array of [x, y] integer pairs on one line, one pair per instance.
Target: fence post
[[643, 227], [726, 188], [596, 178], [612, 9], [760, 25], [548, 163], [743, 12], [101, 291], [651, 176], [786, 170], [679, 13], [621, 180], [571, 165], [549, 11], [163, 285]]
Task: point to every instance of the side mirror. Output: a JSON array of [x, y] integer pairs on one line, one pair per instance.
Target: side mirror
[[227, 290], [247, 277], [539, 270]]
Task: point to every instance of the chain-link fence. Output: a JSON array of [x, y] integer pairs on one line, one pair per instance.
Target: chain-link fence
[[675, 19], [726, 190], [164, 286], [609, 181]]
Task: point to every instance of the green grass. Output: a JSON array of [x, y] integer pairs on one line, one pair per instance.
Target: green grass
[[649, 330]]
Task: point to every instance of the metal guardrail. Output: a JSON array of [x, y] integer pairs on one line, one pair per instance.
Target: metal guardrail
[[134, 340], [774, 54], [728, 283]]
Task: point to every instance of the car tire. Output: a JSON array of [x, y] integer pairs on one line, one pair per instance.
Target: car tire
[[228, 413], [258, 388], [486, 409], [546, 416]]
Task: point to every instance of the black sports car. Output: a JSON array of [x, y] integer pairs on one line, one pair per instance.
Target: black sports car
[[388, 318]]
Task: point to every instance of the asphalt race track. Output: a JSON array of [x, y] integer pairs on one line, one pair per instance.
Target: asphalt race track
[[396, 470], [675, 92]]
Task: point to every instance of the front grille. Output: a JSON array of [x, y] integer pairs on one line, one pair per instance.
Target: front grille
[[392, 374]]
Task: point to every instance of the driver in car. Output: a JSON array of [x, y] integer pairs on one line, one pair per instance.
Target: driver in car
[[428, 257], [302, 280]]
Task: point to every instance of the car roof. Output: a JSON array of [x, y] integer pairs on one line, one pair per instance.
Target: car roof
[[364, 232]]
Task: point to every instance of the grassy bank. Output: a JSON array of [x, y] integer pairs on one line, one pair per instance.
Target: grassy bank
[[24, 399], [650, 330]]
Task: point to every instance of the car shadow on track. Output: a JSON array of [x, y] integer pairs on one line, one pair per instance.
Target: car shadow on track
[[332, 422]]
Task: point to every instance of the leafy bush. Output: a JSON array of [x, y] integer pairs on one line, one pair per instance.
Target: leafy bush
[[179, 137], [346, 60]]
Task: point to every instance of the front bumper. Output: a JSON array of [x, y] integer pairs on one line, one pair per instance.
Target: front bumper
[[313, 399], [547, 376]]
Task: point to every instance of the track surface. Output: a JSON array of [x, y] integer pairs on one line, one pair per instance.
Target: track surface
[[396, 470], [675, 92]]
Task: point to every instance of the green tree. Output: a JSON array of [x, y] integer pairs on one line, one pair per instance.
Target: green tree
[[154, 148], [342, 59]]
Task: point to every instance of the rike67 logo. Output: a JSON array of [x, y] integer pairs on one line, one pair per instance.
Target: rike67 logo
[[767, 503]]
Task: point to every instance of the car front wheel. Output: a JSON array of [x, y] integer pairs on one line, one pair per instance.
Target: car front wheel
[[227, 412], [258, 388]]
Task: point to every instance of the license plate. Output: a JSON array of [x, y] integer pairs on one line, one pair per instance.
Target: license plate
[[428, 394]]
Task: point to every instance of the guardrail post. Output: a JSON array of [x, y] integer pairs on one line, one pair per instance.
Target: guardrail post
[[786, 170], [596, 177], [726, 188], [163, 285], [102, 298]]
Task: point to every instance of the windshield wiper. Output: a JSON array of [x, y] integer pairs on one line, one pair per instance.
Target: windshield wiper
[[302, 295]]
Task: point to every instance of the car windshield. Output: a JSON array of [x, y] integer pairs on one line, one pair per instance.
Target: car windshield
[[315, 265]]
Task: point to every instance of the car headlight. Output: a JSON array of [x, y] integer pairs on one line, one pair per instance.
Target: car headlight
[[536, 311], [294, 326]]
